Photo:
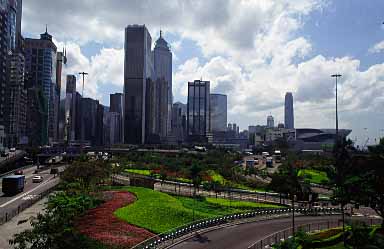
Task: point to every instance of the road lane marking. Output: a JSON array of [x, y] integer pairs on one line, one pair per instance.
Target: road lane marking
[[21, 196]]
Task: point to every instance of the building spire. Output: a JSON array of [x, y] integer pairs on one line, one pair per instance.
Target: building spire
[[161, 33], [46, 28]]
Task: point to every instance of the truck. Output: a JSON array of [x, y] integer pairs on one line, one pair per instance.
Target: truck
[[13, 185], [269, 162], [250, 164]]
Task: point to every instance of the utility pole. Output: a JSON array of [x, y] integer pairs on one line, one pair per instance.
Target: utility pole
[[83, 74]]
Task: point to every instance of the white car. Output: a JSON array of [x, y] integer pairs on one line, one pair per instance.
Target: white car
[[37, 179]]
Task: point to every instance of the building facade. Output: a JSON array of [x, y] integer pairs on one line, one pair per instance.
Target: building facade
[[138, 69], [116, 105], [92, 113], [218, 107], [179, 121], [40, 65], [270, 121], [198, 111], [163, 71], [288, 111], [16, 115], [3, 59]]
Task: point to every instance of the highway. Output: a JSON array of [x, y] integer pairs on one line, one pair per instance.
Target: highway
[[31, 190], [243, 235]]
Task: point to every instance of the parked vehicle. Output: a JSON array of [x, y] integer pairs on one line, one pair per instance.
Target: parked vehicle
[[269, 162], [13, 185], [265, 154], [277, 156], [12, 150], [37, 179], [250, 164]]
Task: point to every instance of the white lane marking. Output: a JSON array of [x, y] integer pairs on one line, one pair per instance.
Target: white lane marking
[[21, 196]]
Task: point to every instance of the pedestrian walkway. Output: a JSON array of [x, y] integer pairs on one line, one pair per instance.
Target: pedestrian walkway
[[19, 223]]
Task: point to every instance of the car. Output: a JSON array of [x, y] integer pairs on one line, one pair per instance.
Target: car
[[12, 150], [37, 179], [19, 172]]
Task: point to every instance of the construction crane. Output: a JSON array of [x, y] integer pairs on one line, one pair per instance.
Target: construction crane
[[83, 74]]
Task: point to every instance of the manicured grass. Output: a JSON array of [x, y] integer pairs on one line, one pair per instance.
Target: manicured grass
[[145, 172], [314, 176], [240, 204], [160, 212]]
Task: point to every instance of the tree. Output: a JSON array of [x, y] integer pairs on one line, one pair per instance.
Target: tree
[[288, 182], [339, 178]]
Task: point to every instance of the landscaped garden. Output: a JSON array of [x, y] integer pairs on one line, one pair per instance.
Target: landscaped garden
[[357, 235], [160, 212], [314, 176]]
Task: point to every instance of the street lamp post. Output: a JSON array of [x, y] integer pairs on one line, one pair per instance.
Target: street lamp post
[[336, 76]]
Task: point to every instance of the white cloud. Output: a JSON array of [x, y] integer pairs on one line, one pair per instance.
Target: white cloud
[[377, 48]]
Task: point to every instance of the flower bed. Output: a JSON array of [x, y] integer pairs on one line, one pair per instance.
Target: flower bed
[[102, 225]]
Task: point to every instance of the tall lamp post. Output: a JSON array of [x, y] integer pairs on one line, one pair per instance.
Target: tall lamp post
[[336, 76]]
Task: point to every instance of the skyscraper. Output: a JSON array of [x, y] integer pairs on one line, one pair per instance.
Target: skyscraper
[[218, 112], [40, 65], [198, 111], [270, 122], [138, 69], [163, 70], [179, 121], [288, 111], [115, 120], [3, 58], [70, 109]]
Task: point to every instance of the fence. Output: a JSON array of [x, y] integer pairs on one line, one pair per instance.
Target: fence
[[280, 236], [166, 239], [9, 214]]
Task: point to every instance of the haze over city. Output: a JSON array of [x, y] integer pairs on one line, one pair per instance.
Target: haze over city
[[252, 51]]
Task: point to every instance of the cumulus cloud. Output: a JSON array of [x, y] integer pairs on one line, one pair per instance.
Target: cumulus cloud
[[252, 51], [377, 48]]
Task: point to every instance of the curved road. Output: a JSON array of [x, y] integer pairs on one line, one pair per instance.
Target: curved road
[[243, 235]]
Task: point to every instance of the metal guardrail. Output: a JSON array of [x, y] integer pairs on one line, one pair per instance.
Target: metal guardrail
[[168, 238], [8, 215], [282, 235]]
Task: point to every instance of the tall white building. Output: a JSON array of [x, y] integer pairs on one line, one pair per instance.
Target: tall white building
[[270, 122]]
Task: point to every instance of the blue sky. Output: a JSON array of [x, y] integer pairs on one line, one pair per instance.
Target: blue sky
[[254, 51]]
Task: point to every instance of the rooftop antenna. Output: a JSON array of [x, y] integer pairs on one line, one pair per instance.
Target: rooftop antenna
[[46, 28], [161, 33]]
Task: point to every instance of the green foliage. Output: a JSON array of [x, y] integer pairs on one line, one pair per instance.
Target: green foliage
[[145, 172], [239, 204], [360, 235], [54, 228]]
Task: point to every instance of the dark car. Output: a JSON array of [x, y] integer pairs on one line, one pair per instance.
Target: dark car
[[19, 172]]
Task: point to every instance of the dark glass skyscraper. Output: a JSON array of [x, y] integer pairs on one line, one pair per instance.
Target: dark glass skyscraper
[[138, 69], [288, 111], [218, 112], [40, 65], [198, 111]]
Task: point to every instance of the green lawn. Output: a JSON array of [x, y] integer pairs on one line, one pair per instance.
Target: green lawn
[[239, 204], [145, 172], [314, 176], [160, 212]]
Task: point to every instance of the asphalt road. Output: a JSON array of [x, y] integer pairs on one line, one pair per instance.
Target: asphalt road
[[31, 190], [243, 235]]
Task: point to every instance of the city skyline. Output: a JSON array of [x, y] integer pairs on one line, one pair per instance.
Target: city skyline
[[217, 57]]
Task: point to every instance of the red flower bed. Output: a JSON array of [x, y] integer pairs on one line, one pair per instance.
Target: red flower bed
[[101, 224]]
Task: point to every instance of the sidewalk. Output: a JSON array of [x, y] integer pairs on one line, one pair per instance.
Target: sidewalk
[[7, 230]]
